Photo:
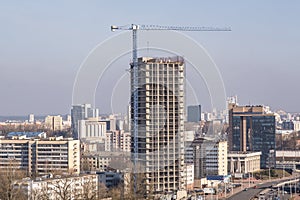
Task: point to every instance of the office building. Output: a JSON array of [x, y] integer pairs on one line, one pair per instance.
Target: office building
[[40, 157], [157, 142], [241, 163], [54, 122], [210, 157], [194, 113], [91, 128], [285, 159], [291, 125], [251, 128], [81, 112]]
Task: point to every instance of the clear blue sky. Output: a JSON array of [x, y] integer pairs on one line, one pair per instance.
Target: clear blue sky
[[42, 44]]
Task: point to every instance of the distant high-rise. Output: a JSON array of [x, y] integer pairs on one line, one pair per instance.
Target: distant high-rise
[[194, 113], [252, 128], [31, 118], [81, 112], [160, 124], [54, 122]]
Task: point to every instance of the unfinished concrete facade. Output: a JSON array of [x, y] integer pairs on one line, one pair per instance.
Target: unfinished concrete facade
[[160, 142]]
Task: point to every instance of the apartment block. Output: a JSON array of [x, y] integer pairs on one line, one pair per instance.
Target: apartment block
[[55, 123], [40, 157], [83, 186]]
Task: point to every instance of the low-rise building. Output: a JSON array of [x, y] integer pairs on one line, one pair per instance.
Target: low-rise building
[[26, 135], [109, 178], [285, 159], [60, 188], [104, 161], [241, 163]]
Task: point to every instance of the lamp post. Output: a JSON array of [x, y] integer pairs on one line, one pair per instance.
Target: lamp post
[[211, 194]]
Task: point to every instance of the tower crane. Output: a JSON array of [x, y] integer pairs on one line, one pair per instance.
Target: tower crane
[[134, 28]]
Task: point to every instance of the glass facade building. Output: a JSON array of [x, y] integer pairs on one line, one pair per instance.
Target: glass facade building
[[252, 129]]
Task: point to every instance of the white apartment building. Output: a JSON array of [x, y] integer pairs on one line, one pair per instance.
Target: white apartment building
[[40, 157], [60, 188]]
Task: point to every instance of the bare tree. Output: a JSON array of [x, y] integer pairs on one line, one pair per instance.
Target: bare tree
[[9, 187]]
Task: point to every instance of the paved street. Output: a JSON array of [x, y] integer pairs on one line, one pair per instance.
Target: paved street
[[240, 194]]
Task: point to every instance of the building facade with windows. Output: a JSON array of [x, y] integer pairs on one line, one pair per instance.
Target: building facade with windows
[[157, 130], [40, 157], [252, 128]]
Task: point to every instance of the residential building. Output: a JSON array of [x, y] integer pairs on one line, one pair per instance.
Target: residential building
[[157, 114], [194, 113], [109, 178], [104, 161], [251, 128], [54, 122], [40, 157], [118, 141], [84, 186]]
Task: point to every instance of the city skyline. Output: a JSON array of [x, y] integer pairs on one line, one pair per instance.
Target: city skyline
[[42, 51]]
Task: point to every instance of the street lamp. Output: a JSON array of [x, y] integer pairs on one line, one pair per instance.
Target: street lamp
[[211, 183]]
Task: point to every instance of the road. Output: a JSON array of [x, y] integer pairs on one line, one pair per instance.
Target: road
[[251, 192]]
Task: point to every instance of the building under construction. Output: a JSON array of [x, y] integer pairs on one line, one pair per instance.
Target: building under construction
[[157, 113]]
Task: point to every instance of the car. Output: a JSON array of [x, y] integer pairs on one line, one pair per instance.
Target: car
[[245, 189]]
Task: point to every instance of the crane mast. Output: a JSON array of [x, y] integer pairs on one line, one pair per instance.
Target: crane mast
[[134, 28]]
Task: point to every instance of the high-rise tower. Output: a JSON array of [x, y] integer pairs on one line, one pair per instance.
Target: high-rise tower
[[157, 143]]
